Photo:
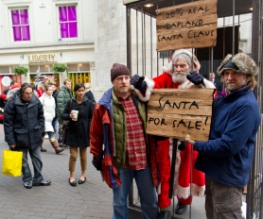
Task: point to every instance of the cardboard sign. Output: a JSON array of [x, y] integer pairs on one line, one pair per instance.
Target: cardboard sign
[[179, 112], [191, 25]]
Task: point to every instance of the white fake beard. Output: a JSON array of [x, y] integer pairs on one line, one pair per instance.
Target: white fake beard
[[179, 77]]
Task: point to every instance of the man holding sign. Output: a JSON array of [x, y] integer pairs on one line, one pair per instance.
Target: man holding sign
[[226, 158], [177, 75]]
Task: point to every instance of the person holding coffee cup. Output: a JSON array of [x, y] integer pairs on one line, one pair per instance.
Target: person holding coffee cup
[[78, 111]]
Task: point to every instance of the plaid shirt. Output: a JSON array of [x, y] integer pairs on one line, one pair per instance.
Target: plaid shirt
[[136, 158]]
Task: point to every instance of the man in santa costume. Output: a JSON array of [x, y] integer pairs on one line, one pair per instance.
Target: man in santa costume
[[181, 72]]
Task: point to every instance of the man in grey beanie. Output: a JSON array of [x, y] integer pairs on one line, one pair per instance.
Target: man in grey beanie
[[226, 158]]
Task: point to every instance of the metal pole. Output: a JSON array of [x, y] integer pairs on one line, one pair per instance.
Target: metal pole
[[233, 27]]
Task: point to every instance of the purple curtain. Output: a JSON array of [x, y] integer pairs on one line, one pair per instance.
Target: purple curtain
[[20, 22], [68, 21]]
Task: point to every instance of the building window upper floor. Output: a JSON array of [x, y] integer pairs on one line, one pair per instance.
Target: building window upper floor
[[68, 21], [20, 25], [45, 23]]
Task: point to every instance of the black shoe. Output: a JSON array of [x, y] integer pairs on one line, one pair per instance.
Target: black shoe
[[180, 208], [164, 215], [28, 184], [43, 182], [73, 183], [82, 181]]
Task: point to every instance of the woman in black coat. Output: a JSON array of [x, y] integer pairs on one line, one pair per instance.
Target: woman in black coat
[[77, 137]]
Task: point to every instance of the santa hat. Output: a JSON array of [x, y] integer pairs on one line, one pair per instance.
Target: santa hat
[[196, 64], [240, 63]]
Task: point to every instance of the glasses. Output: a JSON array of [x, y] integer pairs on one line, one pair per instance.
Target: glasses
[[28, 94]]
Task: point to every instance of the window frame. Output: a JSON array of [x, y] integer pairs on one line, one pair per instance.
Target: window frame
[[60, 36], [20, 25]]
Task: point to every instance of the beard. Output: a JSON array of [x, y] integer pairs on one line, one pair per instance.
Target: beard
[[179, 77]]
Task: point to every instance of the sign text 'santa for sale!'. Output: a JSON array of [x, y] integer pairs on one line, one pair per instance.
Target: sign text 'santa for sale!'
[[179, 112]]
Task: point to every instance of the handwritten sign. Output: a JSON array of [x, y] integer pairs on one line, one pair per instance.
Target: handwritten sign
[[179, 112], [191, 25]]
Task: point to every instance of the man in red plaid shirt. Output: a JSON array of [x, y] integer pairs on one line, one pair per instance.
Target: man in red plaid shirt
[[119, 124]]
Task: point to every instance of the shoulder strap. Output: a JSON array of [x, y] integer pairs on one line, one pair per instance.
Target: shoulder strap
[[70, 104]]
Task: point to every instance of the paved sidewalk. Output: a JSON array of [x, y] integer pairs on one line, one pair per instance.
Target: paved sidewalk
[[92, 199]]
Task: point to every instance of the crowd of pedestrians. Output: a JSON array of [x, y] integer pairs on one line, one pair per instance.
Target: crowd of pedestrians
[[115, 130]]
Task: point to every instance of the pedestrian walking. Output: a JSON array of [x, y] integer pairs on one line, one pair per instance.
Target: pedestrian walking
[[63, 97], [88, 92], [24, 129], [78, 112], [49, 107]]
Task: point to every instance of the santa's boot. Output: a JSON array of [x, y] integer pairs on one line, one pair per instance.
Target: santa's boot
[[55, 145], [41, 146]]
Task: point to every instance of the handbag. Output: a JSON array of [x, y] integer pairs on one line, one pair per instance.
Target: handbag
[[64, 131], [65, 126], [12, 163]]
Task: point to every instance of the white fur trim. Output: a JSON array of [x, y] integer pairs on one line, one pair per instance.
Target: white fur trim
[[209, 84], [186, 84], [184, 192], [150, 85]]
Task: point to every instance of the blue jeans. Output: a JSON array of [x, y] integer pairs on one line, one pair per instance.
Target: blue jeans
[[37, 165], [50, 134], [146, 189]]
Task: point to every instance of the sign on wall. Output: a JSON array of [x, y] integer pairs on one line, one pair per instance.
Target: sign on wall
[[191, 25], [42, 58], [179, 112]]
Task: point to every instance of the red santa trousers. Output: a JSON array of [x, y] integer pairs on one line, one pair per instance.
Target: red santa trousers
[[186, 174]]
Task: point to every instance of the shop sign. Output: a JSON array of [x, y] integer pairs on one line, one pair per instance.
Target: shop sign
[[176, 113], [42, 58], [190, 25]]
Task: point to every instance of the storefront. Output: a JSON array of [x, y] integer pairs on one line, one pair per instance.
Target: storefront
[[40, 68]]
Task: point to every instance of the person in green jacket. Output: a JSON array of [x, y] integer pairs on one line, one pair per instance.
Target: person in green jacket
[[64, 95]]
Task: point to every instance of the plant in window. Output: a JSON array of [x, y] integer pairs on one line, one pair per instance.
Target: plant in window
[[20, 70], [59, 68]]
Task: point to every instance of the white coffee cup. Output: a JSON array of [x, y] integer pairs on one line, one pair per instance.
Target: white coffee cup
[[75, 115]]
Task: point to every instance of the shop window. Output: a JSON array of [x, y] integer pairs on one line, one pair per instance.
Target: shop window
[[44, 68], [84, 67], [20, 25], [4, 69], [76, 78], [72, 67], [68, 22], [33, 68]]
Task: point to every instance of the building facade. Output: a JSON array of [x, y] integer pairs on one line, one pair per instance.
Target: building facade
[[38, 34]]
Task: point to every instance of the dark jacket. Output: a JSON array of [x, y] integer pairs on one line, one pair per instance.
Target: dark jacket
[[227, 157], [78, 131], [24, 122], [63, 97], [55, 95], [90, 96]]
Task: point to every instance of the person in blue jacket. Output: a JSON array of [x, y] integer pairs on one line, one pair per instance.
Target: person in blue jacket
[[226, 158]]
